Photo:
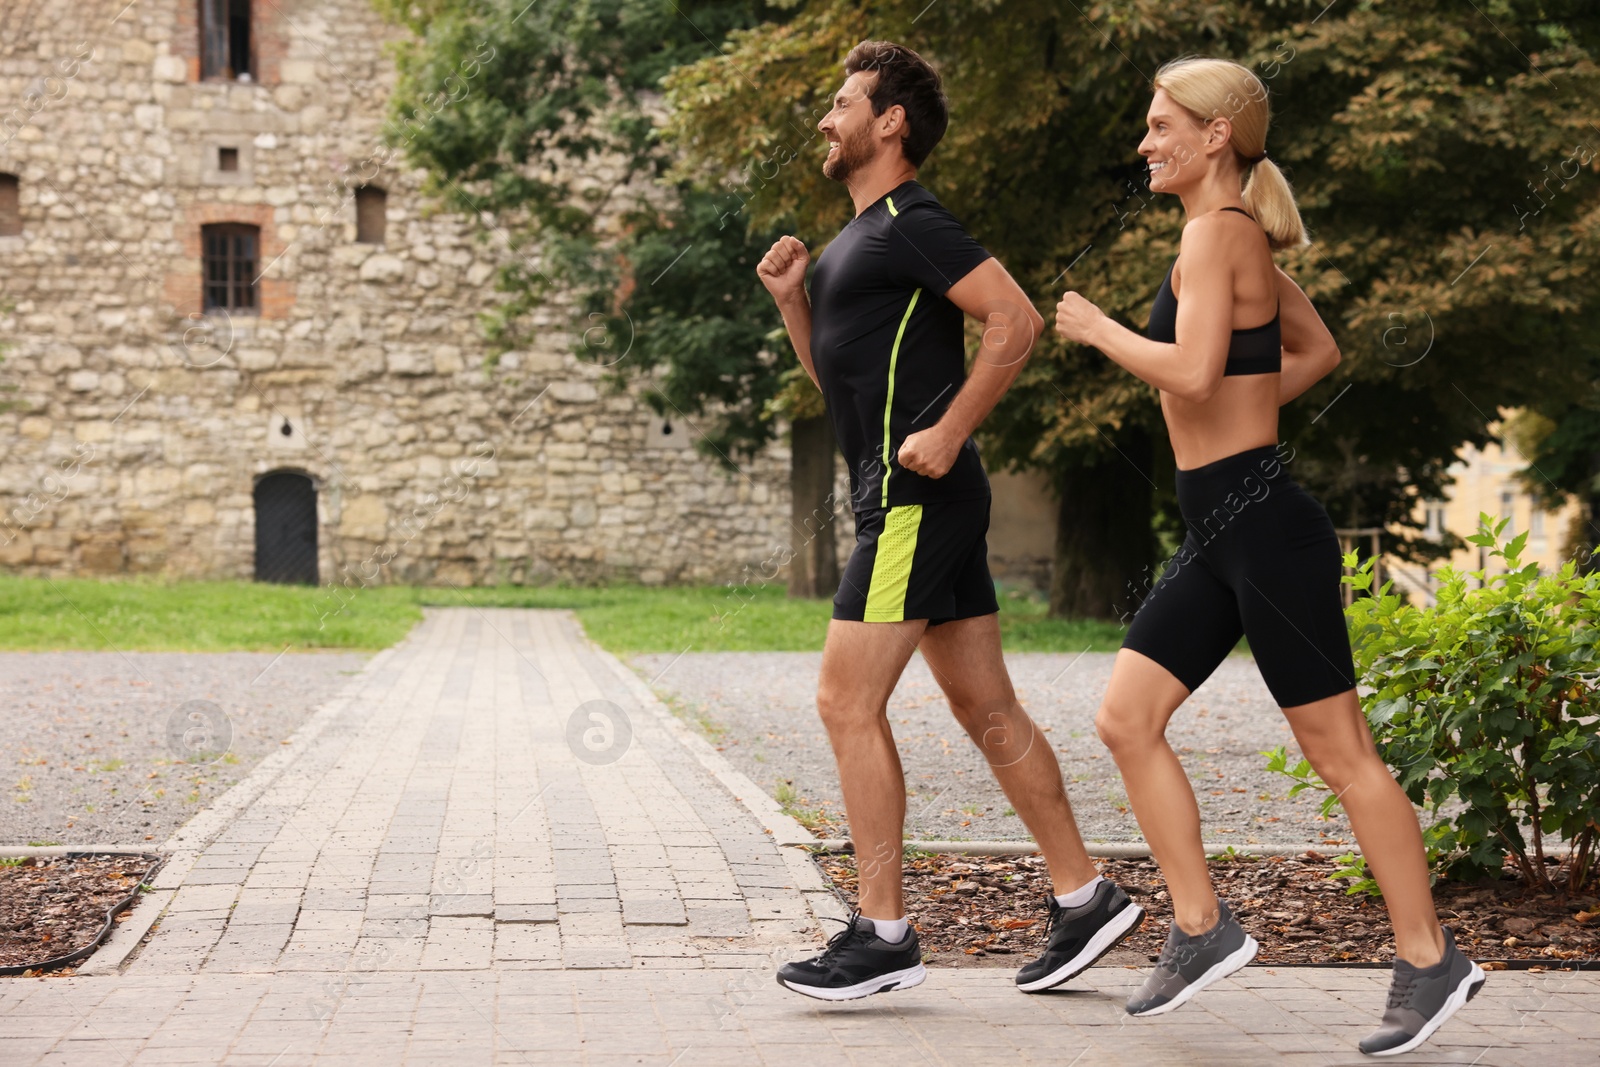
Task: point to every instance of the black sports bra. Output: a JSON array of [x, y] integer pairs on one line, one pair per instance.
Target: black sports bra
[[1258, 350]]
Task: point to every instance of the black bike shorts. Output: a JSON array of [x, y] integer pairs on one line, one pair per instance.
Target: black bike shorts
[[1261, 560]]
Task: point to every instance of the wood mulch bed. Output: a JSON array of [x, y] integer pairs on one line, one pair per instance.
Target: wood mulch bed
[[51, 906], [980, 911]]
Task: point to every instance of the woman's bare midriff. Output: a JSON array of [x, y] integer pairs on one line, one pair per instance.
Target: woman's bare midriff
[[1242, 414]]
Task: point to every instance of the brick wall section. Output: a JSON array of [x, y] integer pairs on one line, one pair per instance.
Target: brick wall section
[[185, 39], [269, 34]]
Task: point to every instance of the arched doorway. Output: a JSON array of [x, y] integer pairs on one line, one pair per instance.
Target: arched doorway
[[286, 528]]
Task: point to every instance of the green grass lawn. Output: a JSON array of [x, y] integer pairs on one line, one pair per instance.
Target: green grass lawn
[[151, 614]]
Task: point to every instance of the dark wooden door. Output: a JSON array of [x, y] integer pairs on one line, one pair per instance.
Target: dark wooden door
[[286, 529]]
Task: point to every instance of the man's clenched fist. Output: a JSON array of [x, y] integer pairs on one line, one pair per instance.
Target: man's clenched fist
[[931, 452], [783, 269]]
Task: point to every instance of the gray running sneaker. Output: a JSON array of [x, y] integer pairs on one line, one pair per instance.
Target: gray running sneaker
[[1422, 998], [1189, 964]]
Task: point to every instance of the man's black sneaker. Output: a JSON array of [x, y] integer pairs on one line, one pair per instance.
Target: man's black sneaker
[[1189, 964], [856, 963], [1422, 998], [1076, 937]]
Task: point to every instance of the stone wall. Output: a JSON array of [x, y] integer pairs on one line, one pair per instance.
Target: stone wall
[[141, 424]]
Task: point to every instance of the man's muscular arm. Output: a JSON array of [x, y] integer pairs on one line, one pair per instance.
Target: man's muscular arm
[[783, 271], [1011, 325]]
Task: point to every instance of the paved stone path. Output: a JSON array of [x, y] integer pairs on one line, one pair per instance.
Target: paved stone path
[[444, 819], [496, 847]]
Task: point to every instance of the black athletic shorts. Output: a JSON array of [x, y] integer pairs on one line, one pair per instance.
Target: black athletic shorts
[[919, 561], [1261, 560]]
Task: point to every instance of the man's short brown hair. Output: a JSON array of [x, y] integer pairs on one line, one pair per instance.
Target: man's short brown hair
[[907, 79]]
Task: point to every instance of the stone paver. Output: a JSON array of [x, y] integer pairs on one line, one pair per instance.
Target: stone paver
[[673, 1016], [447, 868]]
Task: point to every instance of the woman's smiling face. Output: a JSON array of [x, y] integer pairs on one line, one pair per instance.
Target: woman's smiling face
[[1172, 145]]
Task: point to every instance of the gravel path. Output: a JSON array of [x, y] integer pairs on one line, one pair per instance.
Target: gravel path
[[114, 748], [759, 708]]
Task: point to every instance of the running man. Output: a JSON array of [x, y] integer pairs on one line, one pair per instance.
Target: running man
[[882, 336]]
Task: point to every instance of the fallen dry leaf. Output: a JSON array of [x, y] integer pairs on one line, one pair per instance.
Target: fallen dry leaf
[[52, 906]]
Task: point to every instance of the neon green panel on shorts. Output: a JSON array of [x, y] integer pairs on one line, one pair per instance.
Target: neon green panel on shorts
[[891, 567]]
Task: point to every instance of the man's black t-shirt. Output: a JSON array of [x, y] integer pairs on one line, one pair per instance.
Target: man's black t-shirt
[[888, 347]]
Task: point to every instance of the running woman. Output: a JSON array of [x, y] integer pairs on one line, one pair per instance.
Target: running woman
[[1231, 338], [881, 335]]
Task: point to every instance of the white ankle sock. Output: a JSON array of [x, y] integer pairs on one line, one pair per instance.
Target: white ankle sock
[[892, 930], [1079, 896]]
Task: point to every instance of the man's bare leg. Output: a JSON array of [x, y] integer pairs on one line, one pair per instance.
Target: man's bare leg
[[965, 658], [861, 662]]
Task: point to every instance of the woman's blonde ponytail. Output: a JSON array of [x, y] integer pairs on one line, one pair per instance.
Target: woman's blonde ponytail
[[1268, 197]]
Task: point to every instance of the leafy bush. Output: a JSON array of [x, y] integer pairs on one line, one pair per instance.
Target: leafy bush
[[1486, 706]]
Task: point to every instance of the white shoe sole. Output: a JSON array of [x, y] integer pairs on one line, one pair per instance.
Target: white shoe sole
[[1107, 936], [1452, 1004], [884, 983], [1219, 970]]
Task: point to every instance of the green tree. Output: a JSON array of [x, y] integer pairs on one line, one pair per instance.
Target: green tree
[[540, 121], [1416, 137]]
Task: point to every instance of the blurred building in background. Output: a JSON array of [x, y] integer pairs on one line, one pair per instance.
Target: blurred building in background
[[242, 343], [1487, 481]]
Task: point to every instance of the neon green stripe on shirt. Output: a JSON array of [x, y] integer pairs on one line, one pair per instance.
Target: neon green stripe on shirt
[[888, 403]]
